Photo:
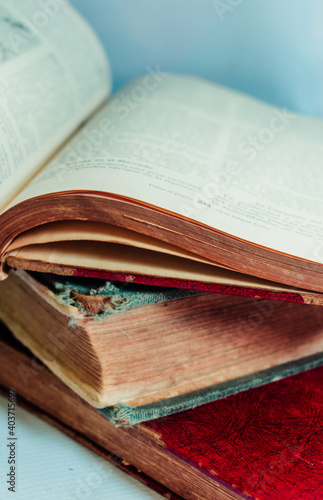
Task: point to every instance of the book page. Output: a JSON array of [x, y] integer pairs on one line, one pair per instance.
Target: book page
[[120, 258], [53, 74], [100, 232], [211, 154]]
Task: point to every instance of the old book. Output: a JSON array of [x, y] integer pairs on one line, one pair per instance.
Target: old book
[[262, 444], [143, 352], [174, 179]]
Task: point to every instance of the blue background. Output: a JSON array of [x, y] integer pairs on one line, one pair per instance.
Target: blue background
[[271, 49]]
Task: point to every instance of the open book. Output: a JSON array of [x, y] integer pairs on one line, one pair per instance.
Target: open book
[[174, 181]]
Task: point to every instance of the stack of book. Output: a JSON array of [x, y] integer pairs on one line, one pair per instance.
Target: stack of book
[[262, 443], [161, 254]]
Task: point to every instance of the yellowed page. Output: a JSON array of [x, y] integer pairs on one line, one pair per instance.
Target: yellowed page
[[97, 231], [199, 150], [121, 258], [53, 74]]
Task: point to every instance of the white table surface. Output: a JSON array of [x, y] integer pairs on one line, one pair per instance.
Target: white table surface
[[52, 466]]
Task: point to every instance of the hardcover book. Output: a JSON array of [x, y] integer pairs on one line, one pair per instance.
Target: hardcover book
[[140, 352], [263, 444], [174, 180]]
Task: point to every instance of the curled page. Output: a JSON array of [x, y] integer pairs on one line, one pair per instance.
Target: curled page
[[53, 75]]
